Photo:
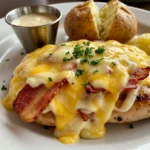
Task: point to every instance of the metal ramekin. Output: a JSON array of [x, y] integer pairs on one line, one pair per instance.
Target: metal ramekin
[[35, 36]]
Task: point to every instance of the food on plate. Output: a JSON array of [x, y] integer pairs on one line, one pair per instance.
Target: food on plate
[[83, 22], [118, 22], [79, 86], [115, 21], [142, 41]]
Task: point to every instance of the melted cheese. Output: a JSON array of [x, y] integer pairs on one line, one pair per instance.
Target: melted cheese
[[37, 67]]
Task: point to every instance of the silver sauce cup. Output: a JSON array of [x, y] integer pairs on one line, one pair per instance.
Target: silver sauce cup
[[35, 36]]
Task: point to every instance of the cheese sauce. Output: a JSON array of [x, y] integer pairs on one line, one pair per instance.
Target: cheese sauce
[[34, 19], [112, 72]]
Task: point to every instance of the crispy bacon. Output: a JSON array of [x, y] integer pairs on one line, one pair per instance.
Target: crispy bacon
[[30, 102], [90, 89], [141, 73], [131, 84], [84, 115]]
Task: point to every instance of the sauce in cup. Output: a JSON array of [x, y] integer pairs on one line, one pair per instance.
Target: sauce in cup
[[34, 19]]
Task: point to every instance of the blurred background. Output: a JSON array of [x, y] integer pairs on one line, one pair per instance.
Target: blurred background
[[7, 5]]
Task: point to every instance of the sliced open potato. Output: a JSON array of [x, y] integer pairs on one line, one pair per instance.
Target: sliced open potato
[[83, 22], [118, 22], [115, 21]]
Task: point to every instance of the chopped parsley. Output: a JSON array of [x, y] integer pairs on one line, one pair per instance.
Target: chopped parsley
[[72, 83], [95, 71], [89, 52], [79, 72], [95, 62], [85, 84], [131, 126], [67, 53], [100, 50], [67, 59], [63, 44], [113, 63], [78, 51], [84, 60], [3, 88], [49, 79], [87, 43]]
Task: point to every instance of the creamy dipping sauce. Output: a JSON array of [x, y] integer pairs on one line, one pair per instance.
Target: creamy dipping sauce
[[35, 19]]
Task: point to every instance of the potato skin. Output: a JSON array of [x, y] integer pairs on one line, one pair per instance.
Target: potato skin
[[124, 26], [79, 23]]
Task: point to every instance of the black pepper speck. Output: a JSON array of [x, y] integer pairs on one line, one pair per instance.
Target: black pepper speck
[[46, 127], [119, 118]]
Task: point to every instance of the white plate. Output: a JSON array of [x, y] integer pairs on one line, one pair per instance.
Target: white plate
[[18, 135]]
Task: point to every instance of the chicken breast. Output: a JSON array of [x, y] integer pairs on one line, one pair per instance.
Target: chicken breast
[[140, 110]]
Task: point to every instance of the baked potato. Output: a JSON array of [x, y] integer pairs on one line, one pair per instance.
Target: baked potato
[[115, 21], [118, 22], [83, 22]]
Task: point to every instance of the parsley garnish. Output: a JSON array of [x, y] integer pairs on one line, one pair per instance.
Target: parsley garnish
[[85, 84], [113, 63], [95, 62], [78, 51], [95, 71], [67, 59], [49, 79], [87, 43], [67, 53], [72, 83], [63, 44], [84, 60], [89, 52], [100, 50], [79, 72], [3, 88]]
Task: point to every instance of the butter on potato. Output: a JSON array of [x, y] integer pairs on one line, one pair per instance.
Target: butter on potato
[[142, 42], [115, 21]]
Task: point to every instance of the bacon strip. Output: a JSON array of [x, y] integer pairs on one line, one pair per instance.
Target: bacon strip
[[85, 116], [30, 102], [139, 74], [90, 89], [131, 84]]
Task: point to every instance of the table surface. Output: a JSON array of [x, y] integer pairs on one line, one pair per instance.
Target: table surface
[[7, 5], [143, 5]]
